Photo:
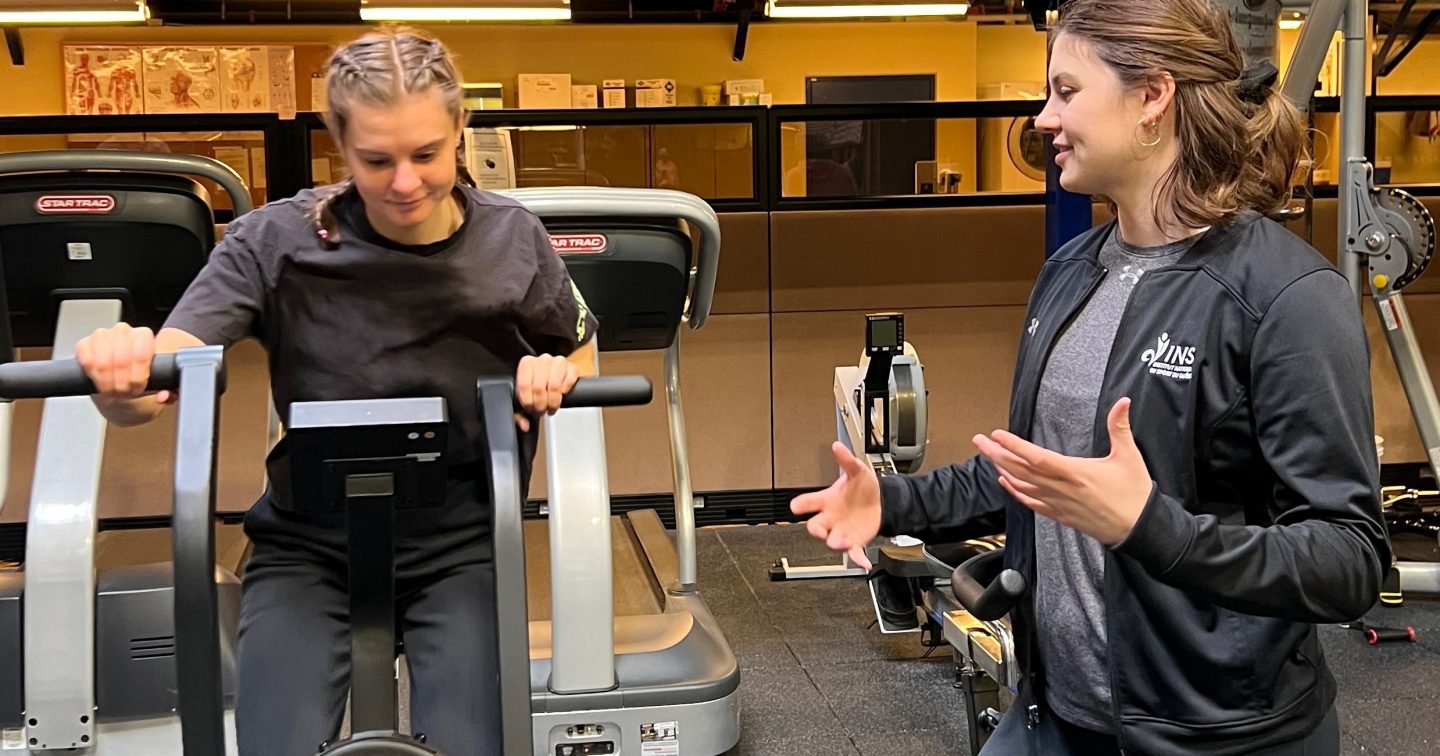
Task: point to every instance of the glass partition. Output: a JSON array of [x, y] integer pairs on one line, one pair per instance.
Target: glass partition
[[714, 161], [1407, 148], [243, 149], [910, 151], [739, 158]]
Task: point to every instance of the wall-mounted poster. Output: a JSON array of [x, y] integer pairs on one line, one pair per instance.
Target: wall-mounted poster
[[181, 80], [244, 79], [103, 80], [282, 80]]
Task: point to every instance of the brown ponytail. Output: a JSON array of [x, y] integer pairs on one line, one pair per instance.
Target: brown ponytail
[[1240, 142]]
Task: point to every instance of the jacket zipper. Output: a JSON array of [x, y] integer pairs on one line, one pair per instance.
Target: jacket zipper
[[1031, 643], [1105, 593]]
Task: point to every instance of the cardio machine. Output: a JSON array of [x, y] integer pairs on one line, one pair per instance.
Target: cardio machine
[[624, 655], [881, 413], [576, 677], [138, 660], [366, 459], [881, 410]]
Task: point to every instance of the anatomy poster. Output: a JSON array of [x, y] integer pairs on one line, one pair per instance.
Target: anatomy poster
[[244, 79], [103, 80], [282, 80], [182, 80]]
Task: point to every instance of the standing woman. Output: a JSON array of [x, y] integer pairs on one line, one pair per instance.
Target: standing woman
[[1189, 480], [398, 282]]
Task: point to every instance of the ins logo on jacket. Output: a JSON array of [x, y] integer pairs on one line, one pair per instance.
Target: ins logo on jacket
[[1170, 360]]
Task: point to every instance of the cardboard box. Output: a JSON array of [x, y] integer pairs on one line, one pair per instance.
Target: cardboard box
[[544, 91], [744, 86], [655, 93], [613, 93], [484, 96], [584, 96], [1012, 90]]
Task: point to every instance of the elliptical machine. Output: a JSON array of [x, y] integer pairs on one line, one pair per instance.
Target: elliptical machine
[[137, 659], [187, 663]]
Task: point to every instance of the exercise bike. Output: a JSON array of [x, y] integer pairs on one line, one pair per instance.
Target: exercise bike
[[368, 459]]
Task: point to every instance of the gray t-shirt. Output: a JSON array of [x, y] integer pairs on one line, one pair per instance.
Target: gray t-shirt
[[376, 319], [1070, 565]]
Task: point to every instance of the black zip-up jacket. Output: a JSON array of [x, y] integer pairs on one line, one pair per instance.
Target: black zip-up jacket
[[1248, 370]]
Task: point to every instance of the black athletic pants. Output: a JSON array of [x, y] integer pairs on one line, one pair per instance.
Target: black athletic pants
[[294, 650]]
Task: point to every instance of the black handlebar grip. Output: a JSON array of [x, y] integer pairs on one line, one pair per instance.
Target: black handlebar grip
[[43, 379], [609, 391], [986, 602]]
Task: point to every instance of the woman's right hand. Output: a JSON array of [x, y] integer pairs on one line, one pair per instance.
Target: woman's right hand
[[117, 359], [847, 514]]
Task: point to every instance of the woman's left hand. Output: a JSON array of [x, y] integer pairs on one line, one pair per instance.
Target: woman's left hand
[[540, 385], [1101, 497]]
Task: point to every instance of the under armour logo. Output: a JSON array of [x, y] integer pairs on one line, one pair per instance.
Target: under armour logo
[[1131, 273], [1034, 323]]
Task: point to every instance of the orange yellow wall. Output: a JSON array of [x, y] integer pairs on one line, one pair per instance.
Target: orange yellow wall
[[693, 55], [963, 56]]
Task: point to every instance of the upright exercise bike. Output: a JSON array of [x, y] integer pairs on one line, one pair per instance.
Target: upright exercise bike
[[367, 459]]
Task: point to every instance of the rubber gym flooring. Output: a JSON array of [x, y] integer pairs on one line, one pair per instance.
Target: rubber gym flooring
[[816, 678]]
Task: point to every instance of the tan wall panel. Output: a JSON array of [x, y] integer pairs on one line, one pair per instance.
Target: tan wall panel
[[933, 257], [969, 358], [136, 479], [725, 387], [742, 285]]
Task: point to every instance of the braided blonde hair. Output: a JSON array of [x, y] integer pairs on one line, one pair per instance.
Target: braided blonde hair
[[378, 69]]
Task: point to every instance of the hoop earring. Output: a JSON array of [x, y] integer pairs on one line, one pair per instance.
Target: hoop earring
[[1148, 123]]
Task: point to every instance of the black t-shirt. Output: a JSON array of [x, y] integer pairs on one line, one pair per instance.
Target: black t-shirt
[[375, 319]]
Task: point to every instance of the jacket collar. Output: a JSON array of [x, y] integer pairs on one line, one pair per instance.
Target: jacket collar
[[1202, 253]]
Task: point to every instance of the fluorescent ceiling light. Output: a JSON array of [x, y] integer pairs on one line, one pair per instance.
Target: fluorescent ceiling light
[[433, 11], [1291, 21], [868, 10], [61, 13]]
